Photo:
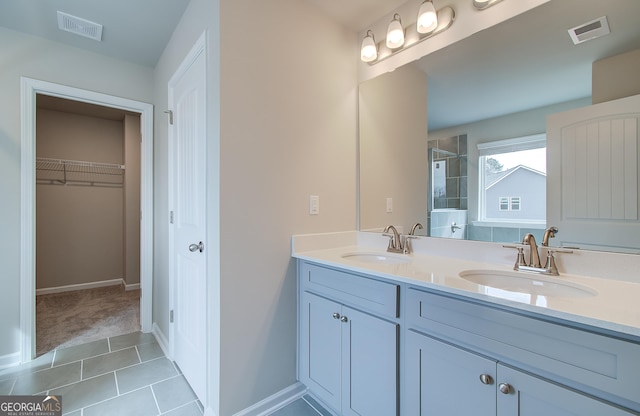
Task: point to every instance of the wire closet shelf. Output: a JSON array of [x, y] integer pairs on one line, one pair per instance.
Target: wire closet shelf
[[78, 172]]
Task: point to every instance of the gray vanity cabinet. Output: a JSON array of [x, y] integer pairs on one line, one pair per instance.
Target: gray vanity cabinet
[[348, 355], [464, 357], [443, 379]]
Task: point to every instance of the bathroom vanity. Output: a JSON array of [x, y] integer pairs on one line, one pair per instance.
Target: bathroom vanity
[[390, 334]]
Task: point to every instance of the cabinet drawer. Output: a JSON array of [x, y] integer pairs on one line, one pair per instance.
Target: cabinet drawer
[[352, 289], [591, 362]]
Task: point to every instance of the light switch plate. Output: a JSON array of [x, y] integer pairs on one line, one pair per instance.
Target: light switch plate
[[314, 205], [389, 204]]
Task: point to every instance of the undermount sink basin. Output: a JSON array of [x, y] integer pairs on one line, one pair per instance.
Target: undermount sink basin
[[529, 283], [377, 258]]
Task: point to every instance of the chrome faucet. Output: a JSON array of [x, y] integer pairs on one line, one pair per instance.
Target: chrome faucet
[[413, 229], [395, 241], [407, 240], [549, 233], [534, 257], [534, 264]]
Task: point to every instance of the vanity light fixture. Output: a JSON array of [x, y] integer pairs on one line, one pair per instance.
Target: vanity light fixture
[[395, 33], [399, 38], [368, 50], [427, 17], [483, 4]]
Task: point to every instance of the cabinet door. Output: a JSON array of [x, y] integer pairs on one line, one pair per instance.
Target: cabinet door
[[531, 396], [445, 380], [370, 365], [320, 348]]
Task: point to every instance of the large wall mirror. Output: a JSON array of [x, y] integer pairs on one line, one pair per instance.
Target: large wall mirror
[[432, 132]]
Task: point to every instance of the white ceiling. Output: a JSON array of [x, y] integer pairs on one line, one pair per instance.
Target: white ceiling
[[136, 31], [530, 56], [525, 63], [357, 14]]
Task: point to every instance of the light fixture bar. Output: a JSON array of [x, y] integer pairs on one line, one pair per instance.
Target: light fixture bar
[[446, 16], [483, 4]]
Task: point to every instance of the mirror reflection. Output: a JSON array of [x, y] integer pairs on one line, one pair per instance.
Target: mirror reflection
[[439, 138]]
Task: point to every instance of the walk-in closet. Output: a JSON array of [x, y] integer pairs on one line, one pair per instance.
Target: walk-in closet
[[87, 222]]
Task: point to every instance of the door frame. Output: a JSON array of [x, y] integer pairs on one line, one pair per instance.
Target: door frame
[[28, 89]]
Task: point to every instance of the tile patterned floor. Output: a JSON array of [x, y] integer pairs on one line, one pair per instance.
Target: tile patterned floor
[[306, 406], [121, 376]]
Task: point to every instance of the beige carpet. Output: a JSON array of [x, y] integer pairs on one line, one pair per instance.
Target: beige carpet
[[73, 318]]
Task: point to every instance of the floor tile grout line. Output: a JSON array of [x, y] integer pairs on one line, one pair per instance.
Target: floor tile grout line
[[182, 405], [155, 399], [138, 352], [100, 355], [111, 398], [115, 377]]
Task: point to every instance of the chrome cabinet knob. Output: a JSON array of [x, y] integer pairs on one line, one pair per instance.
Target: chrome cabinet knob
[[336, 315], [486, 379], [344, 319], [504, 388], [196, 247]]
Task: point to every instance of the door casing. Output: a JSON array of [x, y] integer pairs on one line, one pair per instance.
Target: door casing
[[29, 88]]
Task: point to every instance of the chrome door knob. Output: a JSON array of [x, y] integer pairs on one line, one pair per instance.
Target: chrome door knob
[[336, 315], [196, 247], [504, 388], [344, 319]]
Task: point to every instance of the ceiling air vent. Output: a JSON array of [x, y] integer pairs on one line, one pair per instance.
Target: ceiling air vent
[[79, 26], [590, 30]]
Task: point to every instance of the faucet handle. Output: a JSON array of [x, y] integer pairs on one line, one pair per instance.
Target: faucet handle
[[407, 243], [392, 244], [520, 261], [550, 265]]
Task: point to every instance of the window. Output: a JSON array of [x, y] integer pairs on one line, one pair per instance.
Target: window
[[509, 203], [512, 181]]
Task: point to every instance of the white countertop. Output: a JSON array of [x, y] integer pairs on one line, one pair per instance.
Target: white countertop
[[614, 306]]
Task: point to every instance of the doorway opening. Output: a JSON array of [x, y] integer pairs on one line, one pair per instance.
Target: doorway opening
[[32, 90], [87, 222]]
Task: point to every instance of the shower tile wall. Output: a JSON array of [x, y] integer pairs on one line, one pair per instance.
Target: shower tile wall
[[456, 172]]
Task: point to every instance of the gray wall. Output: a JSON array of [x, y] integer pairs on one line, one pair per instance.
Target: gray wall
[[131, 202], [393, 149], [616, 77], [282, 126], [30, 56], [79, 233]]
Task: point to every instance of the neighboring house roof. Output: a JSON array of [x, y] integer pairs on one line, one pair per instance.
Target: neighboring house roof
[[494, 178]]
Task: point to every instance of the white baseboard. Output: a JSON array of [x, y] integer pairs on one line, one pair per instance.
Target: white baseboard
[[162, 340], [134, 286], [81, 286], [275, 401], [10, 360]]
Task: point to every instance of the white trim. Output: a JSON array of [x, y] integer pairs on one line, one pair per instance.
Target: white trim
[[80, 286], [162, 340], [276, 401], [539, 224], [29, 89], [493, 147], [133, 286], [9, 360]]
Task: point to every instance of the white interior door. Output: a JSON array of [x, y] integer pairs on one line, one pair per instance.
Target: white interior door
[[188, 261], [595, 151]]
